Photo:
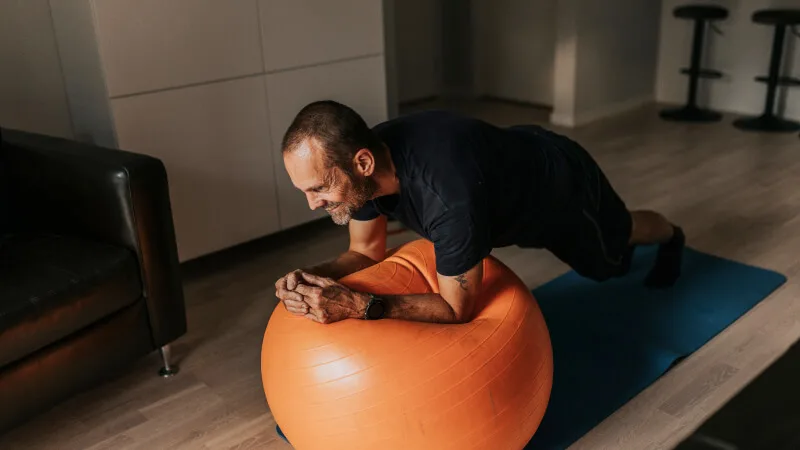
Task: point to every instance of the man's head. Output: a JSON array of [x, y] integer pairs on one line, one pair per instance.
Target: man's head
[[332, 155]]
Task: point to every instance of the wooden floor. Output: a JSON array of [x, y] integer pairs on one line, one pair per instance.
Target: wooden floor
[[736, 195]]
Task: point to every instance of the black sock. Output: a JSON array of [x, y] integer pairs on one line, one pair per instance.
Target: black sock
[[667, 269]]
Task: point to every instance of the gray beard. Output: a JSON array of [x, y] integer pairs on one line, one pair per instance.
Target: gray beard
[[344, 214]]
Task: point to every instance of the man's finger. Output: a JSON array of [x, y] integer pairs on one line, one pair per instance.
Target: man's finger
[[316, 318], [295, 304], [311, 316], [316, 280], [297, 308], [291, 280], [284, 295], [308, 291]]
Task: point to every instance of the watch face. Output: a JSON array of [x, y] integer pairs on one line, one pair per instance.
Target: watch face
[[376, 310]]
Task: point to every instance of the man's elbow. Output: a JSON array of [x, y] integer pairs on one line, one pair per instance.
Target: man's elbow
[[459, 319], [461, 315]]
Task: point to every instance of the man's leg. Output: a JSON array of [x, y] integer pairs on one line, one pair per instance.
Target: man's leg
[[650, 227], [610, 231], [601, 238]]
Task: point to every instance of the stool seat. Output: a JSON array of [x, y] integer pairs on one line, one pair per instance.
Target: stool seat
[[707, 12], [777, 16]]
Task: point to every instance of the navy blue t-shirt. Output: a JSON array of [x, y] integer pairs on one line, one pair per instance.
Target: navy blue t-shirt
[[469, 186]]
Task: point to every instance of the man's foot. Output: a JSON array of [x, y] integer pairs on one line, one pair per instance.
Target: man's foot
[[667, 269]]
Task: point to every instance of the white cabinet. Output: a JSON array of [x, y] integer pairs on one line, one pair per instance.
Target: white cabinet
[[31, 88], [209, 87], [309, 32], [215, 143], [148, 45]]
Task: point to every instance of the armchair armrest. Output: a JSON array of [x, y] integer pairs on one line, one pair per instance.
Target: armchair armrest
[[118, 197]]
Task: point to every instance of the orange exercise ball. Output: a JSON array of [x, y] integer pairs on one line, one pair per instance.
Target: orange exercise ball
[[396, 384]]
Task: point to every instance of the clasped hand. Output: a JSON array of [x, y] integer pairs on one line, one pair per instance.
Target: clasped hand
[[320, 299]]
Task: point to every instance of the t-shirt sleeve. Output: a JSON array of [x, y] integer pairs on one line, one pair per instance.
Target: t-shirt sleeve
[[461, 240], [367, 212]]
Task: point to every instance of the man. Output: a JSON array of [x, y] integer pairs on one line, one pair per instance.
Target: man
[[468, 187]]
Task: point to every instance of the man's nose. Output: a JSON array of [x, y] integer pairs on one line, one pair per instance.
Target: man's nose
[[314, 202]]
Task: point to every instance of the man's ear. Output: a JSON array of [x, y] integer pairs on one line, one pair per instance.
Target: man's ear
[[364, 162]]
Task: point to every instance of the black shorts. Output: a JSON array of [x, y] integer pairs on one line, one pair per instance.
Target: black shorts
[[591, 231]]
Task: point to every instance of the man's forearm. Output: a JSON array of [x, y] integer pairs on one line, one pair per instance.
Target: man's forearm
[[343, 265], [420, 308]]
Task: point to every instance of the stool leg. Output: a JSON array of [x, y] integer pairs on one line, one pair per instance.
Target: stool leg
[[768, 121], [774, 68], [697, 54], [690, 112]]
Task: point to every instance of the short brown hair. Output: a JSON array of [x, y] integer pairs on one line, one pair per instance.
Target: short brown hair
[[340, 130]]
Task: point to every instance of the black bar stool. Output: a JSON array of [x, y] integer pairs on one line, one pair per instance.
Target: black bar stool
[[768, 121], [701, 14]]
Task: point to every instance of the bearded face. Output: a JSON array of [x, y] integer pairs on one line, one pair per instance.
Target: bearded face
[[340, 191], [354, 193]]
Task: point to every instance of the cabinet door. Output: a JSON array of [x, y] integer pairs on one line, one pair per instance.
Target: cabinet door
[[306, 32], [32, 96], [360, 84], [149, 45], [216, 145]]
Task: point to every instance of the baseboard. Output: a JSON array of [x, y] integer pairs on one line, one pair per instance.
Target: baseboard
[[585, 117], [562, 119], [602, 112], [512, 101]]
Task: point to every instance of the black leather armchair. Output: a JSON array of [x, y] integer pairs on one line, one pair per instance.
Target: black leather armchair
[[89, 272]]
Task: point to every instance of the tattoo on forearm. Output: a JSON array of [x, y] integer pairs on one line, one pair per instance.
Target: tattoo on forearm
[[462, 281]]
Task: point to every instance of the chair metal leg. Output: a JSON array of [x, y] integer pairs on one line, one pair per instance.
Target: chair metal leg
[[168, 369]]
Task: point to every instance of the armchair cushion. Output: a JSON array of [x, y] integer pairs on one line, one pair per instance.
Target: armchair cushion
[[52, 286]]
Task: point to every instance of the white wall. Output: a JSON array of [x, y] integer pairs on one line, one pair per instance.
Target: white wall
[[431, 40], [418, 49], [742, 53], [565, 63], [457, 49], [209, 87], [32, 96], [617, 54], [515, 49], [606, 53]]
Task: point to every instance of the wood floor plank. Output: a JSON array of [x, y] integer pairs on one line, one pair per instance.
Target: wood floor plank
[[694, 392]]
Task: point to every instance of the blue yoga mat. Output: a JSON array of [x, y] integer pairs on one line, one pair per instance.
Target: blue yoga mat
[[613, 339]]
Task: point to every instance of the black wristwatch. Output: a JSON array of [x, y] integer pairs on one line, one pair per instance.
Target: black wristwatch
[[376, 308]]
